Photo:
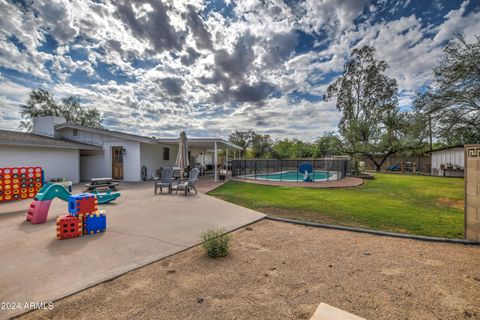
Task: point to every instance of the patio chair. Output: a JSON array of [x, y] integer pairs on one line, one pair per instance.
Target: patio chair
[[165, 180], [187, 184]]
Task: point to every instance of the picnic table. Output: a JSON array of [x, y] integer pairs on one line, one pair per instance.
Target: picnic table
[[102, 184]]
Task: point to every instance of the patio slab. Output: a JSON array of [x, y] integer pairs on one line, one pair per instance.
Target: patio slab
[[141, 228]]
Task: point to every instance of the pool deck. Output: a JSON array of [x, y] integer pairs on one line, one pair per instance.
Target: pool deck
[[342, 183]]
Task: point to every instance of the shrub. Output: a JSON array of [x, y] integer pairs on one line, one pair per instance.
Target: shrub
[[216, 242]]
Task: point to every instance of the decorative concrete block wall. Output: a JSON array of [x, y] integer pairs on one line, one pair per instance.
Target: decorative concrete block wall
[[472, 192]]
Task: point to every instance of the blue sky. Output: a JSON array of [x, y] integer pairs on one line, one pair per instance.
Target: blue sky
[[211, 67]]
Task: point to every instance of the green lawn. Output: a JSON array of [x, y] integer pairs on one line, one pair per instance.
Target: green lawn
[[420, 205]]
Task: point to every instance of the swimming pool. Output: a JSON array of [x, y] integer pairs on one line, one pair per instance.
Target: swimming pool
[[293, 176]]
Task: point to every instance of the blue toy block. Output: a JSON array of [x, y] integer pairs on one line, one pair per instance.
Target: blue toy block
[[95, 223], [82, 204]]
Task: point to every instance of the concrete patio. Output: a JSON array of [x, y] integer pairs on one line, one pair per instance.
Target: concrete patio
[[142, 228]]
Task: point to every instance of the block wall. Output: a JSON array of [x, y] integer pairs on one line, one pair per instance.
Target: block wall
[[472, 192]]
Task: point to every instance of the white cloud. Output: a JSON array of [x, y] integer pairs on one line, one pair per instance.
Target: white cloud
[[219, 72]]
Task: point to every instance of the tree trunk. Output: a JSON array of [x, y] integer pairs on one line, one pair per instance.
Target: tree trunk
[[378, 165]]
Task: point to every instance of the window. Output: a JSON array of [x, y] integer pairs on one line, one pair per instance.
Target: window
[[166, 153], [75, 132]]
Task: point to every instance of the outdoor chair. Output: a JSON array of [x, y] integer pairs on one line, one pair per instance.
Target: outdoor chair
[[187, 184], [165, 180]]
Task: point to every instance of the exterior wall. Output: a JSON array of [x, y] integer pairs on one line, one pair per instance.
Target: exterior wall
[[92, 166], [87, 137], [45, 126], [454, 157], [101, 165], [472, 192], [56, 162], [151, 156]]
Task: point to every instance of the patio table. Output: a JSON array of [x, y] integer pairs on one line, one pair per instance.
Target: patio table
[[102, 183]]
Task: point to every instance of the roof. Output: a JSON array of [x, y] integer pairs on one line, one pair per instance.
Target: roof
[[113, 133], [204, 143], [446, 148], [198, 142], [18, 138]]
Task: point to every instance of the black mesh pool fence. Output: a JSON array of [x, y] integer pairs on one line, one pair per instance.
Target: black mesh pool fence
[[291, 169]]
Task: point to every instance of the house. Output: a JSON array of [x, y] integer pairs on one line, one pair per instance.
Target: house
[[448, 161], [80, 153]]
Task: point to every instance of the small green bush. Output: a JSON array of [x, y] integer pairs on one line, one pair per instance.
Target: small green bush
[[216, 242]]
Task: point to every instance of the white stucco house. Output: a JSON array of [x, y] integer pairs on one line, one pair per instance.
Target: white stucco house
[[80, 153], [448, 161]]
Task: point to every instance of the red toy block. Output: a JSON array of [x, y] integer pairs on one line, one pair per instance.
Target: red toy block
[[69, 227], [82, 204]]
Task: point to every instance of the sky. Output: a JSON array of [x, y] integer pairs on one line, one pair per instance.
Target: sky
[[211, 67]]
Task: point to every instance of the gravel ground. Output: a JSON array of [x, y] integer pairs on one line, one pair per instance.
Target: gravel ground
[[283, 271]]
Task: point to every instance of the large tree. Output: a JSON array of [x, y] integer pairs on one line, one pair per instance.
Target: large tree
[[453, 101], [261, 145], [42, 103], [294, 148], [242, 139], [327, 145], [370, 123]]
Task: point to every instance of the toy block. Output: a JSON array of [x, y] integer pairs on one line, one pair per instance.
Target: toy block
[[95, 223], [82, 204], [69, 227]]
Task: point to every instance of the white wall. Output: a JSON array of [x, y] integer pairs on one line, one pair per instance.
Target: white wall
[[454, 156], [101, 166], [56, 162], [93, 167], [151, 156], [45, 126]]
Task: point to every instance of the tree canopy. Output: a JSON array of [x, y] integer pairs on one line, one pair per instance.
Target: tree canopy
[[453, 100], [42, 103]]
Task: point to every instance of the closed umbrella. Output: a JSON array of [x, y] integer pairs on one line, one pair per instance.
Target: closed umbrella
[[182, 156]]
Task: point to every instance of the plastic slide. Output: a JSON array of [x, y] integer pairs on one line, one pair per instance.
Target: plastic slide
[[38, 211]]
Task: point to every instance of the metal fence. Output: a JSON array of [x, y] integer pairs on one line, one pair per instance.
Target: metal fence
[[288, 169]]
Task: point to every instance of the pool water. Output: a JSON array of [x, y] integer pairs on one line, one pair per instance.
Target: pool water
[[292, 176]]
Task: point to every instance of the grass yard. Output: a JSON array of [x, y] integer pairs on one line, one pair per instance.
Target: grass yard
[[420, 205]]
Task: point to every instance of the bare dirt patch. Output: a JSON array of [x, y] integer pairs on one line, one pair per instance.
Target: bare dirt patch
[[458, 204], [283, 271]]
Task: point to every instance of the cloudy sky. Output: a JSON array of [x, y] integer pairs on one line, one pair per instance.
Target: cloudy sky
[[210, 67]]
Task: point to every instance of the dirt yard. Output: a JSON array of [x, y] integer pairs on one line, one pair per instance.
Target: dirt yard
[[283, 271]]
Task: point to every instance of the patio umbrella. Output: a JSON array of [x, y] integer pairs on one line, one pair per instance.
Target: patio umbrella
[[182, 156]]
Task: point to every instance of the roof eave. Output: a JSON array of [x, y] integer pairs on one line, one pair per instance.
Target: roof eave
[[126, 136], [46, 145]]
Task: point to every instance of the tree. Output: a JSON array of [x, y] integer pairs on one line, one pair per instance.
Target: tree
[[293, 149], [42, 103], [242, 139], [327, 145], [370, 124], [453, 101], [261, 145]]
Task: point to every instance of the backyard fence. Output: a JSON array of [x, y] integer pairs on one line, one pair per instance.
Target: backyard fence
[[289, 169]]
